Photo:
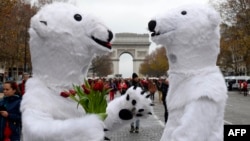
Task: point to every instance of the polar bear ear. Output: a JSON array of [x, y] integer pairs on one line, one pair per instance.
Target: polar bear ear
[[214, 18]]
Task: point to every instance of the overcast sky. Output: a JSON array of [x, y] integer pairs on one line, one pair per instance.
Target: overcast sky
[[129, 15]]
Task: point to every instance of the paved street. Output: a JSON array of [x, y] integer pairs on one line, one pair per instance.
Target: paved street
[[237, 108]]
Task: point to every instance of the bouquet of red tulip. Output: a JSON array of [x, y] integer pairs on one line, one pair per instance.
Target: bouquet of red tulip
[[92, 98]]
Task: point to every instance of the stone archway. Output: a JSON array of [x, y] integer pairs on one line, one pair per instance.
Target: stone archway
[[137, 45]]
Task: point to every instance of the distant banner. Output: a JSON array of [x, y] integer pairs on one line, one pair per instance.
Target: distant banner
[[236, 132]]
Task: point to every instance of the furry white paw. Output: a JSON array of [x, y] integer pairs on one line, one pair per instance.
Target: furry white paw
[[140, 101], [122, 110]]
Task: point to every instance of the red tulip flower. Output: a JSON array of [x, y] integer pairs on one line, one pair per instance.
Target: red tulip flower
[[98, 86], [72, 92], [85, 89], [65, 94]]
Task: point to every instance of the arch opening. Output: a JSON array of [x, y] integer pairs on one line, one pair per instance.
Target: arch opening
[[126, 65]]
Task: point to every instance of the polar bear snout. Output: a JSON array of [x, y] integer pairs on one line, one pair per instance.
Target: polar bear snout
[[151, 27]]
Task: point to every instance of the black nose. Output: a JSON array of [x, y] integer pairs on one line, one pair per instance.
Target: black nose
[[110, 36], [151, 25]]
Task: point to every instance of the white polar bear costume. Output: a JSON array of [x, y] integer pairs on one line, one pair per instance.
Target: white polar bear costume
[[197, 93], [63, 40]]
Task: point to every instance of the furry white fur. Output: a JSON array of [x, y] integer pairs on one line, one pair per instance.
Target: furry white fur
[[197, 93], [142, 108], [63, 41]]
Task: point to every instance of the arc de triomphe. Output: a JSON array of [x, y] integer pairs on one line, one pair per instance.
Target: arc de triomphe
[[137, 45]]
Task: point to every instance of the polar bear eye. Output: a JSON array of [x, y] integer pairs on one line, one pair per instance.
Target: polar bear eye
[[78, 17], [183, 12]]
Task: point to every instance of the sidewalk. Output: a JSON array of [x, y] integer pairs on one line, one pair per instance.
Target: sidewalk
[[150, 129]]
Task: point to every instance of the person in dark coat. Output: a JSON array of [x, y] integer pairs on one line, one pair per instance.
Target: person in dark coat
[[136, 124], [164, 90], [135, 80], [10, 115]]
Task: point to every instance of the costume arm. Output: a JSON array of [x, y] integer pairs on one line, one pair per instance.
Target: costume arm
[[38, 126], [197, 121]]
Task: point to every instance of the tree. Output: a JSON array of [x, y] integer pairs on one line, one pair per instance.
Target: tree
[[236, 35], [225, 60], [155, 64], [14, 22], [101, 65], [5, 28]]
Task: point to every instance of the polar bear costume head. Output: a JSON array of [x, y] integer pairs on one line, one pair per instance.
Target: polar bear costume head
[[63, 41], [190, 34]]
